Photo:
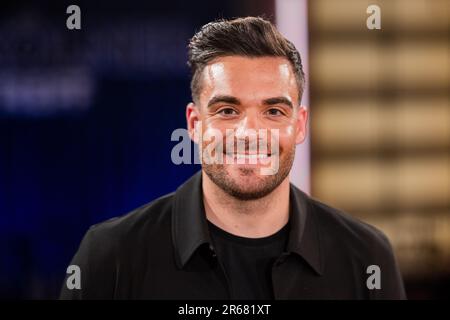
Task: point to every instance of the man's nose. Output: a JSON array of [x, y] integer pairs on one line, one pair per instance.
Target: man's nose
[[249, 125]]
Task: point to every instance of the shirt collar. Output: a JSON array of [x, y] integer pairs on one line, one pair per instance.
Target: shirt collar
[[190, 227]]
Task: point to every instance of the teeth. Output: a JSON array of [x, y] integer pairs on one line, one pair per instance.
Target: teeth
[[249, 156]]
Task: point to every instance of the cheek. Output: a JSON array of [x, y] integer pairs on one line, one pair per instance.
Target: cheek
[[286, 138], [213, 123], [287, 135], [289, 131], [212, 135]]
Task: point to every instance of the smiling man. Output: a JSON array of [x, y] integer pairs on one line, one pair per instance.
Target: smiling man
[[238, 229]]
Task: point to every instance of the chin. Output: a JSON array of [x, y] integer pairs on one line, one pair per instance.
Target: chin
[[245, 172], [248, 180]]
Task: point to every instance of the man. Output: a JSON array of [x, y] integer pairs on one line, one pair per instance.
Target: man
[[235, 231]]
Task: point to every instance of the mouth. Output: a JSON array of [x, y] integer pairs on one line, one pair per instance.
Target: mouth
[[249, 156]]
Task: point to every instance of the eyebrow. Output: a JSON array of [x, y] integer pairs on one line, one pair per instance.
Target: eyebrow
[[236, 101], [224, 99], [278, 100]]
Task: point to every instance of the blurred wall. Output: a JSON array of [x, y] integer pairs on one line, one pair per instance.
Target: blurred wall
[[86, 118], [381, 127]]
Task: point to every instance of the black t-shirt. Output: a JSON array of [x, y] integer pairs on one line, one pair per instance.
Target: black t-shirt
[[248, 261]]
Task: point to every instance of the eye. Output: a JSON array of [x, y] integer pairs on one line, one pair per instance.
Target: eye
[[227, 112], [274, 112]]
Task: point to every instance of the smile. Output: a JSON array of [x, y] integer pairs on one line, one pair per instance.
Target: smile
[[247, 156]]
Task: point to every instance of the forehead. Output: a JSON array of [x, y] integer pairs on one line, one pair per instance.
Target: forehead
[[249, 78]]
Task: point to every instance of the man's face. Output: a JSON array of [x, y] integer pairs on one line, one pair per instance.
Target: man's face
[[238, 97]]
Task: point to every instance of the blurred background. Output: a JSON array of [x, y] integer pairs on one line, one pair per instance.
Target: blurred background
[[86, 118]]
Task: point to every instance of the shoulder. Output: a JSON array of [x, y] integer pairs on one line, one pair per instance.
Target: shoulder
[[109, 246], [346, 231], [352, 244], [112, 240], [135, 223]]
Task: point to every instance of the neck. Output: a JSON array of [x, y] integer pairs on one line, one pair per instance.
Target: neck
[[246, 218]]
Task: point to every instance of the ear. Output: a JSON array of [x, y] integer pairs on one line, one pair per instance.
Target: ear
[[192, 116], [302, 118]]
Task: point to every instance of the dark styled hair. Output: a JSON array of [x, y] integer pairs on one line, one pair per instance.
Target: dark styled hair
[[249, 37]]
